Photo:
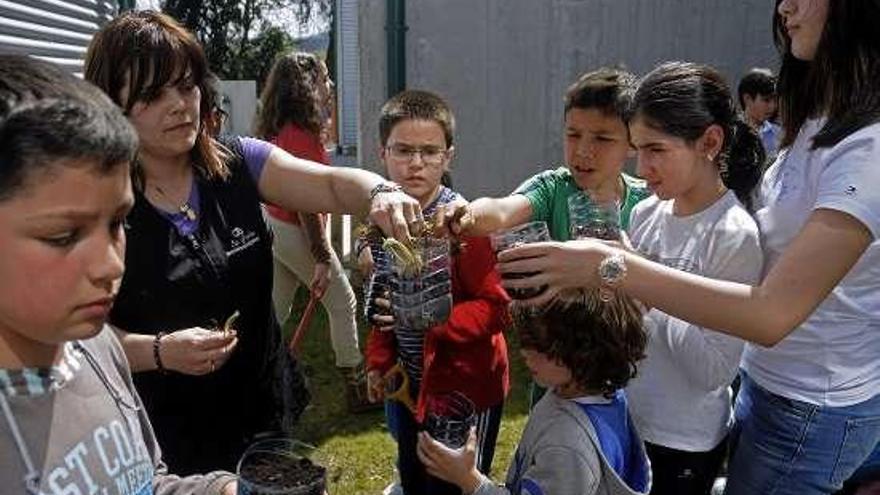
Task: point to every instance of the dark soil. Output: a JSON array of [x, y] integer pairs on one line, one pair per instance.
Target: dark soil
[[273, 472]]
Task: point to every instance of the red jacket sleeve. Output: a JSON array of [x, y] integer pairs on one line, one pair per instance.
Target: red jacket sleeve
[[381, 350], [480, 307]]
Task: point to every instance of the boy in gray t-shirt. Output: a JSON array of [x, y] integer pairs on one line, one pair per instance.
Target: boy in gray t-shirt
[[70, 419]]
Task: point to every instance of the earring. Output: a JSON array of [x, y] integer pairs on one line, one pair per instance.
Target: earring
[[710, 157]]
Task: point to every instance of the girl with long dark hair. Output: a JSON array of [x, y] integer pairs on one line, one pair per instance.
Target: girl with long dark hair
[[701, 160], [293, 108]]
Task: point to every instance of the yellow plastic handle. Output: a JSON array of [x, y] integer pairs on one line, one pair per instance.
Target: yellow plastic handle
[[402, 394]]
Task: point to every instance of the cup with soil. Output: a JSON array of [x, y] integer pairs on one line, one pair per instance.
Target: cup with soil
[[421, 283], [449, 418], [526, 233], [279, 466], [592, 217]]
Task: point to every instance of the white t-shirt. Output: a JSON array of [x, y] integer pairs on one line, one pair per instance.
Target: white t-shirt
[[833, 358], [681, 396]]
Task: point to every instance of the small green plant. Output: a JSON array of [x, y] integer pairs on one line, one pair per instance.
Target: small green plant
[[227, 325], [408, 260]]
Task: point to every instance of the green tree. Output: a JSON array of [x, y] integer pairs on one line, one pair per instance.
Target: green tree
[[243, 37]]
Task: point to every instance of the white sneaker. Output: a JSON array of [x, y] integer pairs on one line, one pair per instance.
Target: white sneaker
[[719, 485], [393, 489]]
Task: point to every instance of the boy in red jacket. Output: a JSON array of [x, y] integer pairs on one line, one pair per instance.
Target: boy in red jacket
[[466, 353]]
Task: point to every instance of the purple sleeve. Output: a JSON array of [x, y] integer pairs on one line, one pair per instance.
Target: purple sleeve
[[255, 153]]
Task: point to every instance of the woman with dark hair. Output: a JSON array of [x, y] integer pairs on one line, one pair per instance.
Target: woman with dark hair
[[808, 414], [199, 251], [292, 115], [701, 160]]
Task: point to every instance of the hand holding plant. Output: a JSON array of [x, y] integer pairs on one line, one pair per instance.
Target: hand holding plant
[[453, 218], [197, 350]]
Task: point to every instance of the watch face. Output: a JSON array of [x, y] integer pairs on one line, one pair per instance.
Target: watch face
[[612, 269]]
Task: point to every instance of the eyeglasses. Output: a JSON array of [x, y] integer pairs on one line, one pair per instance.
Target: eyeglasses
[[431, 155]]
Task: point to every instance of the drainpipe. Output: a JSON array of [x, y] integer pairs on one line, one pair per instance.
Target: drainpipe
[[395, 37]]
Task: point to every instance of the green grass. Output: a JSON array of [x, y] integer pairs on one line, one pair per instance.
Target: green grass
[[356, 448]]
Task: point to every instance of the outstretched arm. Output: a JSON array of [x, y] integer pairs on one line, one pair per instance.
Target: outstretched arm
[[484, 216], [301, 185], [828, 245]]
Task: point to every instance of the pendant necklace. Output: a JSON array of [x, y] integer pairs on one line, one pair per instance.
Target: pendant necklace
[[185, 209]]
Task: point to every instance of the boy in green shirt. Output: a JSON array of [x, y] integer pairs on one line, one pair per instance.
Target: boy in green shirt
[[596, 146]]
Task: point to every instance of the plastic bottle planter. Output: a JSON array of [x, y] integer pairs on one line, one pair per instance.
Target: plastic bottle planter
[[590, 218], [277, 467], [449, 418], [378, 286], [422, 298], [521, 234]]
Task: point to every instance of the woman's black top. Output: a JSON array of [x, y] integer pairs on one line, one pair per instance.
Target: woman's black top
[[172, 282]]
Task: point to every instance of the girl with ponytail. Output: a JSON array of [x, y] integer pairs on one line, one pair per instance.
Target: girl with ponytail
[[807, 417], [701, 162]]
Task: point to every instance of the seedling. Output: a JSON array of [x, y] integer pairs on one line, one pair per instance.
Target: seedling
[[409, 261], [227, 326]]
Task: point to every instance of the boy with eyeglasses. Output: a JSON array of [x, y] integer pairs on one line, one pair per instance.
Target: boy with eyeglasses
[[465, 354]]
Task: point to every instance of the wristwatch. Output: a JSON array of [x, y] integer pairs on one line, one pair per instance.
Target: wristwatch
[[612, 271]]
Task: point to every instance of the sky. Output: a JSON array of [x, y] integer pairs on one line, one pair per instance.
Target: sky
[[314, 26]]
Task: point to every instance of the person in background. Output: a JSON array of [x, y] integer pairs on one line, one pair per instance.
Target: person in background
[[71, 420], [194, 311], [217, 115], [757, 98], [293, 103]]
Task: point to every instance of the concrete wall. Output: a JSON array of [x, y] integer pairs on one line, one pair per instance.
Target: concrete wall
[[504, 66], [239, 100], [373, 77]]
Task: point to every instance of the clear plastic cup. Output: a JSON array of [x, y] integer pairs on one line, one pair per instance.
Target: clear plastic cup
[[449, 418], [521, 234], [279, 466], [588, 217]]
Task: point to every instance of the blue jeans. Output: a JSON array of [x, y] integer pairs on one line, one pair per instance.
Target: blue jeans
[[782, 446]]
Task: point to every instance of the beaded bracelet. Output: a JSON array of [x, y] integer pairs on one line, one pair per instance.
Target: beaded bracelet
[[156, 356]]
